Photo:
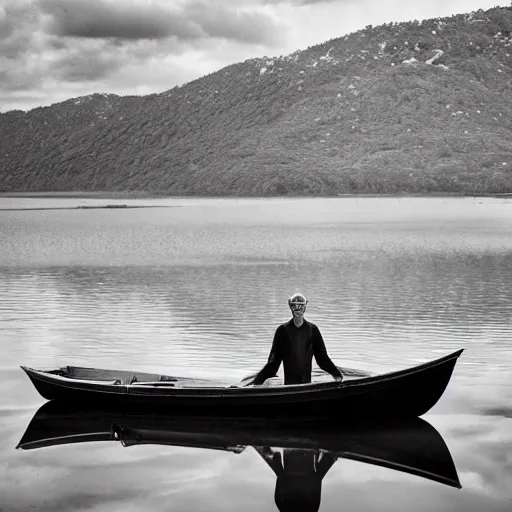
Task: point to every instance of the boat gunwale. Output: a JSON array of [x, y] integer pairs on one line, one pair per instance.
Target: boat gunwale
[[66, 439], [378, 461], [221, 392]]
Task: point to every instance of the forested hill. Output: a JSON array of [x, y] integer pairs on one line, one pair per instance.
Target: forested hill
[[408, 107]]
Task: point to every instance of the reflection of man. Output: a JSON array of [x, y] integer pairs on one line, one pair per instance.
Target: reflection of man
[[295, 343], [299, 477]]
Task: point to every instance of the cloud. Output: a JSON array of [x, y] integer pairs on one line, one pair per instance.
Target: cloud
[[103, 19], [244, 26], [301, 2], [54, 43], [18, 23], [286, 2], [20, 46], [88, 63], [133, 21]]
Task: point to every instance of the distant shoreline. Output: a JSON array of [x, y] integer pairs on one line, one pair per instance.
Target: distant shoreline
[[99, 207], [147, 195]]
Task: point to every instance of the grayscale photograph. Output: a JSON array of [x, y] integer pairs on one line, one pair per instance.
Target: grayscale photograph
[[255, 255]]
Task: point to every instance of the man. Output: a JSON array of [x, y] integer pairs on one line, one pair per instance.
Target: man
[[295, 343]]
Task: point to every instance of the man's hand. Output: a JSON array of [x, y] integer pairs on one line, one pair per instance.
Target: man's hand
[[246, 381], [265, 451], [338, 378]]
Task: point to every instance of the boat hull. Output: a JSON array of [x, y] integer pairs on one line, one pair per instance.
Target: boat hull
[[406, 393]]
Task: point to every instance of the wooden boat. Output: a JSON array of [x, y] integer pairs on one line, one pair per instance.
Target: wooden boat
[[412, 446], [405, 393]]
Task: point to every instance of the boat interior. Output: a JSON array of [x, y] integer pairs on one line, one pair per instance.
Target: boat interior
[[126, 378]]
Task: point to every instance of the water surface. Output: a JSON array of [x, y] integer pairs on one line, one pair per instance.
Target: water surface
[[198, 289]]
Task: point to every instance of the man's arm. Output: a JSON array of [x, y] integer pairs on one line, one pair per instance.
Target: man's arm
[[274, 360], [272, 458], [321, 356], [324, 462]]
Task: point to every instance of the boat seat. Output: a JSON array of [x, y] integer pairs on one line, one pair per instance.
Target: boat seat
[[166, 378]]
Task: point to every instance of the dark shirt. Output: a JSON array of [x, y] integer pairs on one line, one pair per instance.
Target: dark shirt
[[299, 477], [295, 348]]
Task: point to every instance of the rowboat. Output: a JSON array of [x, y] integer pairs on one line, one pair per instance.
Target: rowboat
[[404, 393], [412, 446]]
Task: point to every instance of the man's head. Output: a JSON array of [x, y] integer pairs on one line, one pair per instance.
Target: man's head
[[297, 303]]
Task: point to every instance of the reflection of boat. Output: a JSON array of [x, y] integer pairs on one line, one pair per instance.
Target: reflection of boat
[[412, 446], [405, 393]]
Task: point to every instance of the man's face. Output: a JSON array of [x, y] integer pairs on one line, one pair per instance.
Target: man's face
[[298, 310]]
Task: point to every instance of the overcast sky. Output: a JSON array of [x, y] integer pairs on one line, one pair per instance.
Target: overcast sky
[[51, 50]]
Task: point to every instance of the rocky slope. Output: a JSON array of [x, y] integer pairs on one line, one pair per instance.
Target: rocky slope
[[410, 107]]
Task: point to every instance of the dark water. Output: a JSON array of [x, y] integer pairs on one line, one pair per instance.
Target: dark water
[[198, 289]]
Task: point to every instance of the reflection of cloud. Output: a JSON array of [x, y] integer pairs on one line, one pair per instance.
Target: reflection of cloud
[[499, 411], [106, 476], [56, 488], [480, 446]]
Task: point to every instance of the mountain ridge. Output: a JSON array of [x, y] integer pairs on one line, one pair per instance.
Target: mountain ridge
[[413, 107]]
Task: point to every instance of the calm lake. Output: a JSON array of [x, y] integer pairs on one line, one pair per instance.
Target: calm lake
[[196, 287]]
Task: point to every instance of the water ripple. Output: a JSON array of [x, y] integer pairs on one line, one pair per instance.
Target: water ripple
[[201, 289]]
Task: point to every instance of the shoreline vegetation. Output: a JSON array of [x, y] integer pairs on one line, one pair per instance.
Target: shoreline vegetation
[[410, 108], [80, 207], [146, 195], [35, 208]]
